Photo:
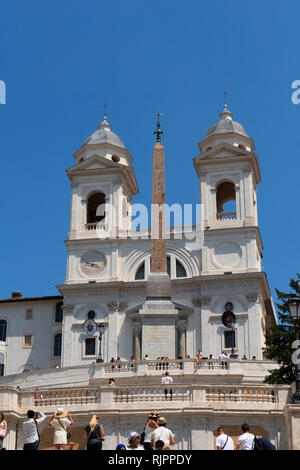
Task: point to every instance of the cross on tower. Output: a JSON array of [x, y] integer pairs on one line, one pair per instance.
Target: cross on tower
[[225, 97], [158, 131], [105, 106]]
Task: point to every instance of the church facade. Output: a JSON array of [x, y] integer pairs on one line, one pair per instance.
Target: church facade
[[56, 350]]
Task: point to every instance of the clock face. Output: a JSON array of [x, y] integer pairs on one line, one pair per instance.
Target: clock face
[[92, 263]]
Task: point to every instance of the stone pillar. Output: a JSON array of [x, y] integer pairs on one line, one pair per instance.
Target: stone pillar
[[181, 327], [137, 328], [113, 328], [67, 353]]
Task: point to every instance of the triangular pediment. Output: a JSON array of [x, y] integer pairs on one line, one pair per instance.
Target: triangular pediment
[[95, 162], [223, 150]]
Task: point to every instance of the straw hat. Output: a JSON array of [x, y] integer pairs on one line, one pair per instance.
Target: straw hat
[[154, 414], [60, 413]]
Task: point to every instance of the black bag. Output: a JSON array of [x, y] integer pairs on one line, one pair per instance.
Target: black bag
[[142, 438], [257, 444]]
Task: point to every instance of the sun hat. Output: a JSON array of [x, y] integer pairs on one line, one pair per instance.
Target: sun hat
[[161, 420], [132, 435], [60, 413]]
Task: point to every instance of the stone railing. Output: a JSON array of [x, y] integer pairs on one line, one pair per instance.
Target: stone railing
[[120, 367], [165, 364], [152, 394], [261, 394], [65, 397], [184, 395], [215, 364], [140, 232], [226, 216]]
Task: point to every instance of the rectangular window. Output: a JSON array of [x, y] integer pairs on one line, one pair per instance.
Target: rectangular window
[[229, 339], [27, 341], [90, 347], [1, 369], [57, 345], [28, 315]]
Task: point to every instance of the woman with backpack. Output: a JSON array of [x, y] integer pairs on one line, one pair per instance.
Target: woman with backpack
[[94, 434]]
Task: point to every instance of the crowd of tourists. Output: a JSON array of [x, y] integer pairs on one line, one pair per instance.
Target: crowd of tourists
[[156, 436]]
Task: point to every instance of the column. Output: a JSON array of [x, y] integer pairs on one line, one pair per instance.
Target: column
[[181, 327], [136, 326], [113, 328]]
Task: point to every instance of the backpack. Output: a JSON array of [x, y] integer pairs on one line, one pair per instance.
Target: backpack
[[257, 444]]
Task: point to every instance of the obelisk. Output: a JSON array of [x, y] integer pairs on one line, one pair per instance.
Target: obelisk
[[158, 314], [158, 285]]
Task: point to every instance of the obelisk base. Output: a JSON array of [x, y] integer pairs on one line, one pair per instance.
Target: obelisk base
[[158, 318]]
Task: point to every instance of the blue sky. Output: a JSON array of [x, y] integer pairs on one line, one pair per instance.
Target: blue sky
[[62, 60]]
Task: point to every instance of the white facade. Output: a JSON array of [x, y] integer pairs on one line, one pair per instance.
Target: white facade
[[103, 259], [107, 270]]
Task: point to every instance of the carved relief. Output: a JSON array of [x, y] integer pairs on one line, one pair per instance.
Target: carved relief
[[198, 302], [117, 306]]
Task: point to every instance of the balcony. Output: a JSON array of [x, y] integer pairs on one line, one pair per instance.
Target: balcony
[[226, 216]]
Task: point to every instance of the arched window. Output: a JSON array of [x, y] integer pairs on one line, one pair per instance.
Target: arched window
[[94, 213], [59, 313], [140, 274], [3, 329], [57, 344], [180, 269], [226, 201]]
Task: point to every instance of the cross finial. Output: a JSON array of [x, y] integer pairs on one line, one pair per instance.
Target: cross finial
[[158, 131], [225, 97], [105, 106]]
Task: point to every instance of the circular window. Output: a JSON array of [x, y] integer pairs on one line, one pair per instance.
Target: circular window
[[115, 158], [91, 315]]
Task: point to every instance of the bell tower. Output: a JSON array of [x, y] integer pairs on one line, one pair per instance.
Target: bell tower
[[103, 183], [228, 171]]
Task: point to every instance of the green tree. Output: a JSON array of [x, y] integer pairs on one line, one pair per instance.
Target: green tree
[[279, 341]]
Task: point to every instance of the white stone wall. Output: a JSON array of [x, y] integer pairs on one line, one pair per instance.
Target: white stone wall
[[42, 327]]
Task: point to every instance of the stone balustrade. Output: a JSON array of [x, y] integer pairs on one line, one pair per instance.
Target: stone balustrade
[[141, 232], [226, 216], [65, 397], [261, 394], [212, 364], [151, 394], [120, 367], [107, 398]]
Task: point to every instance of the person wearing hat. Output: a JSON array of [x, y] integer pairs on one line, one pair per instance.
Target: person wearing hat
[[162, 433], [60, 422], [149, 427], [134, 442]]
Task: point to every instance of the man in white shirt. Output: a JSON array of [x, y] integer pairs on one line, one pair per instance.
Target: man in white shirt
[[223, 355], [245, 441], [223, 441], [30, 428], [162, 433], [167, 380]]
